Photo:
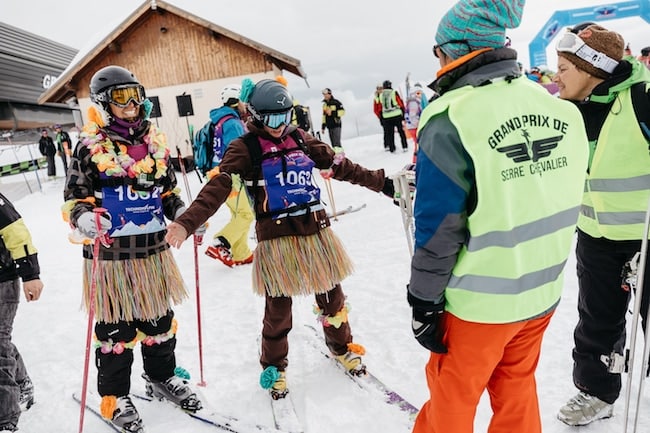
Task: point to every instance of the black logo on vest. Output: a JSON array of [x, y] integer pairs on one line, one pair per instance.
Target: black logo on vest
[[535, 151]]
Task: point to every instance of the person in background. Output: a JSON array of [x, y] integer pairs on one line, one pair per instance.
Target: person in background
[[18, 261], [595, 76], [230, 244], [645, 57], [419, 92], [376, 108], [333, 111], [392, 114], [483, 287], [120, 166], [297, 251], [64, 146], [628, 50], [412, 112], [48, 150]]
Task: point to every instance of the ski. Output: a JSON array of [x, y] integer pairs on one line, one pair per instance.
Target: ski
[[222, 422], [347, 210], [95, 411], [368, 381], [285, 416], [284, 413]]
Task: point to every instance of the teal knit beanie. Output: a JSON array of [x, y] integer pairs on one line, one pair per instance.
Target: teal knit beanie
[[480, 23]]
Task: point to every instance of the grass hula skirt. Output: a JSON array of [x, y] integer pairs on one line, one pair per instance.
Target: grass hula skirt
[[300, 265], [131, 289]]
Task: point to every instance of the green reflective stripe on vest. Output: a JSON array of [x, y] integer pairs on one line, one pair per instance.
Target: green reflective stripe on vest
[[490, 308], [530, 158], [507, 286], [618, 184], [588, 211], [621, 218], [525, 232]]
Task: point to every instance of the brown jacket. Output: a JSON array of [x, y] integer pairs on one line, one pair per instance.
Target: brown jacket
[[237, 160]]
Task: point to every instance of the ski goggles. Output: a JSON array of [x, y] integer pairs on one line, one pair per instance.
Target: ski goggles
[[573, 44], [122, 96], [275, 120]]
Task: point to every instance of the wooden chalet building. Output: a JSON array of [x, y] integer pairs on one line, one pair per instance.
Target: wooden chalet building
[[181, 59]]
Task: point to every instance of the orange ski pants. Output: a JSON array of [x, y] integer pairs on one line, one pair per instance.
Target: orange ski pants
[[499, 357]]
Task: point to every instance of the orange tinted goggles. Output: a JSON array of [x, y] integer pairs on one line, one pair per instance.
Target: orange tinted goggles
[[123, 95]]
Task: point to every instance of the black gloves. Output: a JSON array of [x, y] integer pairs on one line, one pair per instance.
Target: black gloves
[[389, 188], [426, 323]]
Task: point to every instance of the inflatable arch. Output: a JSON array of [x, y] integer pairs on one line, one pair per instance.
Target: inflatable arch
[[562, 19]]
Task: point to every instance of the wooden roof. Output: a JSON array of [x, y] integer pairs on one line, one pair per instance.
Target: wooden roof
[[72, 80]]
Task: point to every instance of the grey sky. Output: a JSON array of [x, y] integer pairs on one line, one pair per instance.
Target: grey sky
[[347, 45]]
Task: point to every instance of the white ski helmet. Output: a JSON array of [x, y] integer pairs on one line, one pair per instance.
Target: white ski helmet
[[230, 94]]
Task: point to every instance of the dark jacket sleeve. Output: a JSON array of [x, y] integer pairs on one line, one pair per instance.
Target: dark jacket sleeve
[[445, 184], [78, 191], [18, 256]]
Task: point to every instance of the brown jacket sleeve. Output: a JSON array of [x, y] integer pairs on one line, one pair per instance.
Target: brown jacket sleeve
[[348, 171], [209, 200]]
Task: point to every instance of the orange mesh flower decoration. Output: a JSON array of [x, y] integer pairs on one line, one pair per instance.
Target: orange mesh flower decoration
[[107, 406], [356, 348]]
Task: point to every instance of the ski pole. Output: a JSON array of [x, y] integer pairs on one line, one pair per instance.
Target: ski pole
[[640, 275], [91, 315], [197, 241], [330, 194]]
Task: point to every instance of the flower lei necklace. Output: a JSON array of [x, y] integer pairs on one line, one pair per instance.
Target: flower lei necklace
[[121, 164]]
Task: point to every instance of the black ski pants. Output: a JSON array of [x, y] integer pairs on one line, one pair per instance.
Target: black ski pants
[[390, 124], [602, 308], [114, 369], [51, 165]]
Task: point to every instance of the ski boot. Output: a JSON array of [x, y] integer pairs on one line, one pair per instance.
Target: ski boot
[[351, 360], [275, 381], [174, 390], [122, 413], [220, 250], [248, 260], [583, 409], [279, 389]]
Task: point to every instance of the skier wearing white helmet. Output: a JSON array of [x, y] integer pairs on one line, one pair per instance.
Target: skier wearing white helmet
[[230, 244]]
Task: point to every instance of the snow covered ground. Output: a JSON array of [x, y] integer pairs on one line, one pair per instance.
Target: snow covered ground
[[51, 332]]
